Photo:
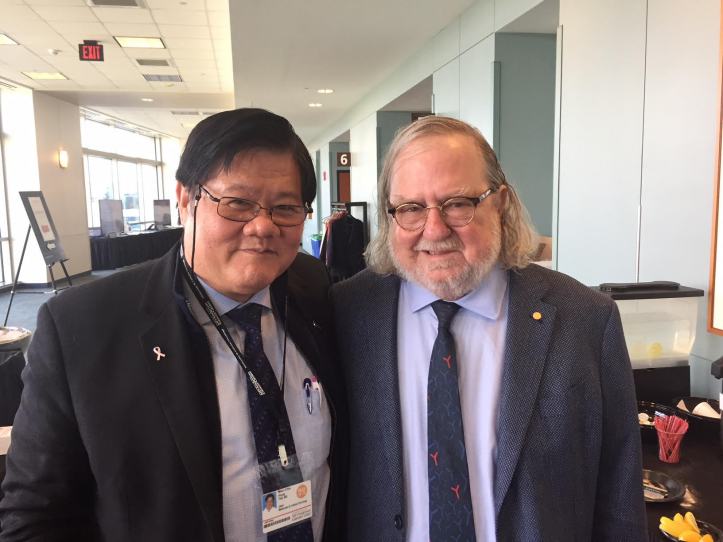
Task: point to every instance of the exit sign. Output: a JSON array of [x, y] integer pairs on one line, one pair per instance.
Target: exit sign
[[90, 51]]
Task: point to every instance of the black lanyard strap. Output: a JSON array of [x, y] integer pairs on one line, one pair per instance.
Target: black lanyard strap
[[200, 292]]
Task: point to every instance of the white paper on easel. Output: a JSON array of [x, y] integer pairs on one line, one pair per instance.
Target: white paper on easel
[[5, 439], [36, 204]]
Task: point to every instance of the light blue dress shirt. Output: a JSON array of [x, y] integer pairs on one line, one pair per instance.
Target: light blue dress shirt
[[479, 330], [242, 495]]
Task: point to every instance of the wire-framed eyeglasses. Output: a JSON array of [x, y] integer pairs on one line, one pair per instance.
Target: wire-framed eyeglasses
[[243, 210], [455, 212]]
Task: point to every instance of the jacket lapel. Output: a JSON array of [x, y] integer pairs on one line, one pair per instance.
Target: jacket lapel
[[176, 381], [527, 343]]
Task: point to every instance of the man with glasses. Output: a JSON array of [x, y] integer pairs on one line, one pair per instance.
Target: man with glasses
[[165, 402], [489, 399]]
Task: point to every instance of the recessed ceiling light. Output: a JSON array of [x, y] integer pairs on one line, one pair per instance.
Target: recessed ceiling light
[[147, 43], [5, 40], [146, 99], [325, 91], [44, 75], [314, 105], [189, 124]]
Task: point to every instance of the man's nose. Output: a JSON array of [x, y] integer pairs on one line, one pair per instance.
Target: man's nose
[[262, 225], [435, 228]]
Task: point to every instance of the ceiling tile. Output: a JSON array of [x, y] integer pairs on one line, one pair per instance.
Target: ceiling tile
[[197, 63], [66, 14], [219, 18], [120, 15], [62, 85], [206, 54], [191, 5], [14, 13], [193, 18], [178, 43], [204, 87], [217, 5], [133, 30], [22, 59], [168, 87], [62, 3], [81, 29], [4, 3], [40, 43], [222, 45], [199, 72], [221, 33], [185, 31]]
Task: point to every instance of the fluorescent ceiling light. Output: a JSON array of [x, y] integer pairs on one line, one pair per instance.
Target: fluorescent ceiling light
[[189, 124], [146, 99], [314, 105], [174, 78], [44, 75], [147, 43], [5, 40], [325, 91]]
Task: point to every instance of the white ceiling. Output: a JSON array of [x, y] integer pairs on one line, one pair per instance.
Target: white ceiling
[[283, 51], [195, 32], [544, 18]]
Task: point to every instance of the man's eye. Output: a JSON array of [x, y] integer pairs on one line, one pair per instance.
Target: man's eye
[[409, 209], [240, 204]]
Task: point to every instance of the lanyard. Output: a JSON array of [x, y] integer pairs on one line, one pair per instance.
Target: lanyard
[[273, 406]]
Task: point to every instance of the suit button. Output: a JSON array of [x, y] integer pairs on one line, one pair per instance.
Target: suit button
[[398, 522]]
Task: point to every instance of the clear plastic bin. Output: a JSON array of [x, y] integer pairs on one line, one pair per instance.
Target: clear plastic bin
[[659, 323], [659, 332]]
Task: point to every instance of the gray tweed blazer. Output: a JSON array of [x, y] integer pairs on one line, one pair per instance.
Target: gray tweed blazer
[[569, 465]]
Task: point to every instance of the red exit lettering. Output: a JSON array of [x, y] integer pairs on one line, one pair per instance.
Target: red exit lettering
[[91, 52]]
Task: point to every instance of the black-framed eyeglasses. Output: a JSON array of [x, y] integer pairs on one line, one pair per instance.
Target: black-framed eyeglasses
[[243, 210], [455, 212]]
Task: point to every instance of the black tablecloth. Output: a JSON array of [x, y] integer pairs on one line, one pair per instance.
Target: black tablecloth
[[701, 470], [112, 253]]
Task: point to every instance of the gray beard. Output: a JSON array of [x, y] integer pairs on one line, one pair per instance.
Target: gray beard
[[460, 285]]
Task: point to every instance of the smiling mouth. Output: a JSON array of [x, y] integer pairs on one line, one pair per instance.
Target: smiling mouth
[[258, 250], [438, 252]]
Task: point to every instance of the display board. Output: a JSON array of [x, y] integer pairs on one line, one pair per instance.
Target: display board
[[162, 212], [715, 295], [42, 224], [111, 216]]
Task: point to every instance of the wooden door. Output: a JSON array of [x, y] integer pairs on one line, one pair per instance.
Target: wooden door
[[343, 179]]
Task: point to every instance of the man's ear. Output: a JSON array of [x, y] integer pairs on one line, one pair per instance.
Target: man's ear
[[503, 199], [184, 202]]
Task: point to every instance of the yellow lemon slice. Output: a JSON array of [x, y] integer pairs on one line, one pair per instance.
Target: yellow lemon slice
[[689, 536], [690, 520], [675, 528], [678, 518], [655, 350], [707, 538]]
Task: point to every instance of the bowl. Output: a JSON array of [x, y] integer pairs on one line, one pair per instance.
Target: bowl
[[705, 528], [700, 427], [655, 479], [648, 432], [19, 339]]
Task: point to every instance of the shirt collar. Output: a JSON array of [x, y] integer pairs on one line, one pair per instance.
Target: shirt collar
[[487, 299]]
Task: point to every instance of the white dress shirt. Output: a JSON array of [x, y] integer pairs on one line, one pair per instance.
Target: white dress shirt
[[243, 499], [479, 329]]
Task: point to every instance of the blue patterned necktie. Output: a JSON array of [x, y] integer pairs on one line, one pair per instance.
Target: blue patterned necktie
[[265, 425], [450, 499]]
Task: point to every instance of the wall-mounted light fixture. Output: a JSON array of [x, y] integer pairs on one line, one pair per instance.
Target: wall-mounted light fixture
[[63, 159]]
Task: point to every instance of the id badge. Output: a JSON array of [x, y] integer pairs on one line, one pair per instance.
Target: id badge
[[286, 507], [286, 496]]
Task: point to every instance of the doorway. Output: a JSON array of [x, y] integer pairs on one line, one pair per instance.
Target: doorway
[[343, 185]]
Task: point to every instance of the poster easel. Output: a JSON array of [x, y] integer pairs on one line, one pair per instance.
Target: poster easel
[[47, 236]]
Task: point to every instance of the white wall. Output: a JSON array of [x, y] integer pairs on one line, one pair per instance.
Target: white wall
[[57, 126], [363, 148], [638, 131], [476, 82], [478, 22], [21, 169]]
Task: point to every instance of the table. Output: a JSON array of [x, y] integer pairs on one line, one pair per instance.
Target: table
[[115, 252], [701, 470]]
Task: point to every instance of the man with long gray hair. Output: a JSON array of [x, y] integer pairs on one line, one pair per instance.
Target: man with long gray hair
[[490, 399]]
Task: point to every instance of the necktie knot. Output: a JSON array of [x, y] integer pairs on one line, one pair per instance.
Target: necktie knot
[[445, 311], [247, 317]]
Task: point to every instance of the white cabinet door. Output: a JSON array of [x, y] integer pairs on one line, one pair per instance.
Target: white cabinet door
[[601, 134]]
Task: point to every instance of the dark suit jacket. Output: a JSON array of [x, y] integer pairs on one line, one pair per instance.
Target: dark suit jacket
[[345, 248], [569, 465], [111, 443]]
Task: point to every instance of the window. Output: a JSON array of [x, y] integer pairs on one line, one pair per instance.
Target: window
[[121, 163]]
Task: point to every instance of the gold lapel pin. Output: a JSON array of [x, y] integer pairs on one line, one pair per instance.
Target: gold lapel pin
[[537, 316]]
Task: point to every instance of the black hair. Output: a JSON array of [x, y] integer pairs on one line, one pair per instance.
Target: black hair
[[270, 496], [215, 141]]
